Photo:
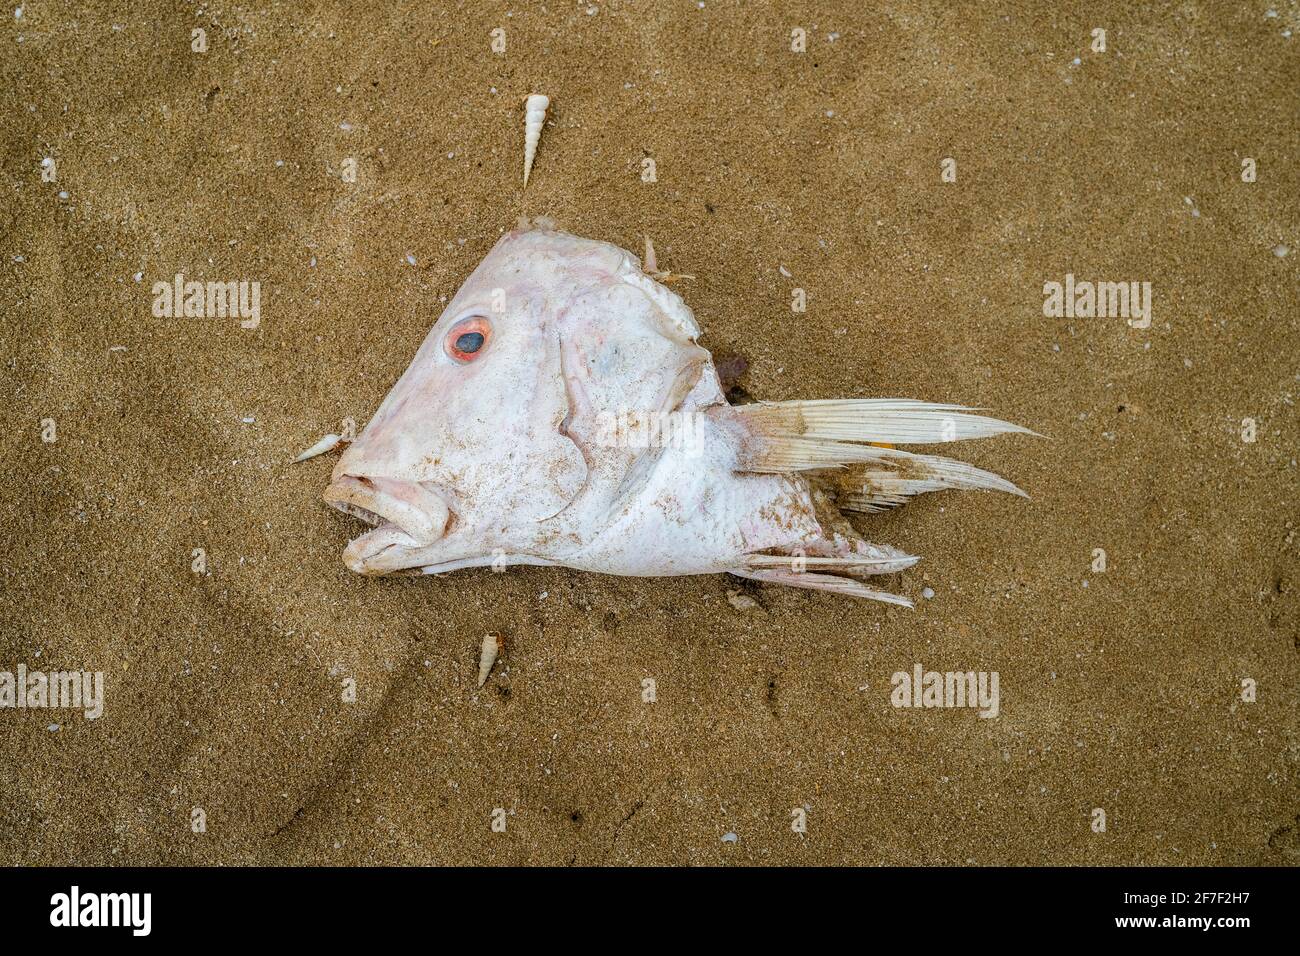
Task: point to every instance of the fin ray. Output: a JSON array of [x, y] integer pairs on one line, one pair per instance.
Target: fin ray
[[848, 563], [900, 475], [822, 582], [901, 421]]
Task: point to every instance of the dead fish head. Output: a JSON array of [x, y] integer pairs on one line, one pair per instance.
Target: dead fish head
[[499, 445], [478, 448]]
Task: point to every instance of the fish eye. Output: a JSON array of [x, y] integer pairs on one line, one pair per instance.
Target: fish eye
[[466, 339]]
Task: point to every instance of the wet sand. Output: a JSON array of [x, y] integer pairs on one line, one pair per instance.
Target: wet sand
[[1120, 690]]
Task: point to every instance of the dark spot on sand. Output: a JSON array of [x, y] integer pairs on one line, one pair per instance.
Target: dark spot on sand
[[771, 694], [731, 366], [738, 396]]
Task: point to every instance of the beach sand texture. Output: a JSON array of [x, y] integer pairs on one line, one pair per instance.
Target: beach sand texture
[[224, 690]]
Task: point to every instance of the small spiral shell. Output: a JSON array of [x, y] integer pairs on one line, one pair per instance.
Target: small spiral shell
[[492, 644], [534, 117], [328, 443]]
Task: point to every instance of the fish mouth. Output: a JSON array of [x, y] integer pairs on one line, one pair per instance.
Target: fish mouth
[[408, 516]]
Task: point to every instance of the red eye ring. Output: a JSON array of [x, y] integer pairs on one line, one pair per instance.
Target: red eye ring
[[466, 340]]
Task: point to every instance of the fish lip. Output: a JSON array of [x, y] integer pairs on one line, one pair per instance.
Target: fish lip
[[365, 553], [410, 509]]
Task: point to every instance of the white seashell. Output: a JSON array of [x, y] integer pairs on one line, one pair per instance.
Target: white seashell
[[321, 447], [488, 656], [534, 117]]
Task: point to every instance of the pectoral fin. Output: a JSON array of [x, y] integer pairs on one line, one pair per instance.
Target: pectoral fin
[[785, 437]]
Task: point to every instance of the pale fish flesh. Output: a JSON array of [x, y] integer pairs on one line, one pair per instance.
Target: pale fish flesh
[[560, 412]]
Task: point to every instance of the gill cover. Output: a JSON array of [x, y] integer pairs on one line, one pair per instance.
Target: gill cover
[[634, 376]]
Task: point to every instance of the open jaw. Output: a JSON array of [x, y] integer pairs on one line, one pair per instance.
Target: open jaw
[[408, 517]]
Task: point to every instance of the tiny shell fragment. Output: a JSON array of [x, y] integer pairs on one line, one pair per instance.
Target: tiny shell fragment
[[743, 602], [488, 655], [327, 443]]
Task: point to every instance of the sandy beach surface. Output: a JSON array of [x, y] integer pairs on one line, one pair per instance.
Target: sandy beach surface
[[1161, 691]]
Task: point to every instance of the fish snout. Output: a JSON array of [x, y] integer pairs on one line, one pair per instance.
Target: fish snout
[[407, 516]]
